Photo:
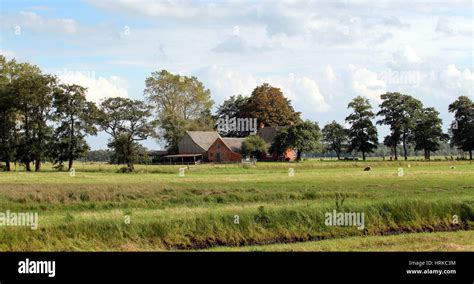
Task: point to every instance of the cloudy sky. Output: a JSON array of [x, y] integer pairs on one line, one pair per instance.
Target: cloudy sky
[[320, 53]]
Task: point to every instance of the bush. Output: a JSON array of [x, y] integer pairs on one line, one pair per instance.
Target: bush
[[124, 170]]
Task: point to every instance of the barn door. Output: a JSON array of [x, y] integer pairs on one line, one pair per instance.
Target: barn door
[[218, 157]]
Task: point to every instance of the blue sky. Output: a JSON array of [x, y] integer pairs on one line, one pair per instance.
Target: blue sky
[[320, 53]]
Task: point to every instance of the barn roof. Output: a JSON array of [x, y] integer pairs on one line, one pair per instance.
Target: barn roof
[[235, 144], [204, 139]]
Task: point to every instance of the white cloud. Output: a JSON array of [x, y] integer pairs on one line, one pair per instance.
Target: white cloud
[[329, 72], [34, 22], [98, 88], [303, 91], [461, 82], [405, 57], [367, 83], [449, 27]]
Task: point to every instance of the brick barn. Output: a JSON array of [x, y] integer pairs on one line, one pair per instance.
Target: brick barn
[[226, 150], [211, 146]]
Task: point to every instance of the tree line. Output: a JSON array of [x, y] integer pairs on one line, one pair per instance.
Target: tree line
[[42, 119]]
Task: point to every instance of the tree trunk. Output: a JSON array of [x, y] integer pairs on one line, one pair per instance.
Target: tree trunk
[[37, 165], [338, 155], [363, 155], [298, 155], [28, 166], [7, 166], [71, 145], [395, 152], [405, 148], [71, 160], [470, 154]]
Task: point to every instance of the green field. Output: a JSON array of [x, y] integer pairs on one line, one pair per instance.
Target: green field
[[90, 210]]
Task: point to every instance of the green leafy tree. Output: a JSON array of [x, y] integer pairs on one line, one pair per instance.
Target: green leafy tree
[[33, 92], [76, 118], [462, 129], [270, 107], [181, 103], [303, 137], [391, 109], [399, 112], [127, 121], [8, 112], [232, 108], [362, 133], [335, 137], [254, 146], [429, 132]]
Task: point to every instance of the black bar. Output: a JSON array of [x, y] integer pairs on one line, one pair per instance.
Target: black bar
[[102, 266]]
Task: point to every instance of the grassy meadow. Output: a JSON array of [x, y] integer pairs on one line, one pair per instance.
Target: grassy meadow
[[230, 206]]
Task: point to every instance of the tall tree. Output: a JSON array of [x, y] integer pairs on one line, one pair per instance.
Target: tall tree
[[33, 92], [411, 109], [429, 132], [302, 137], [270, 107], [462, 129], [392, 113], [181, 103], [127, 121], [399, 112], [8, 139], [362, 134], [76, 118], [335, 137]]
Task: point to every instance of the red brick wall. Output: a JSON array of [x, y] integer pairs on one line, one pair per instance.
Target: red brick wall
[[226, 154]]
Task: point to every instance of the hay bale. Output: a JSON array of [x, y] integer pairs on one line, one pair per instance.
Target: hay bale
[[368, 168]]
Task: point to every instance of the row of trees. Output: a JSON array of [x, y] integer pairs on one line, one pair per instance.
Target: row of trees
[[42, 119], [410, 123]]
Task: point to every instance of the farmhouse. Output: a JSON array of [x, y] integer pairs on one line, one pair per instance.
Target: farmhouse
[[209, 146]]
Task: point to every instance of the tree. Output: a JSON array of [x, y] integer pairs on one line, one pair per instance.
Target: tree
[[429, 132], [33, 94], [411, 108], [8, 141], [362, 134], [76, 118], [254, 146], [127, 121], [270, 107], [302, 137], [335, 136], [181, 103], [232, 108], [399, 113], [391, 110], [462, 129]]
